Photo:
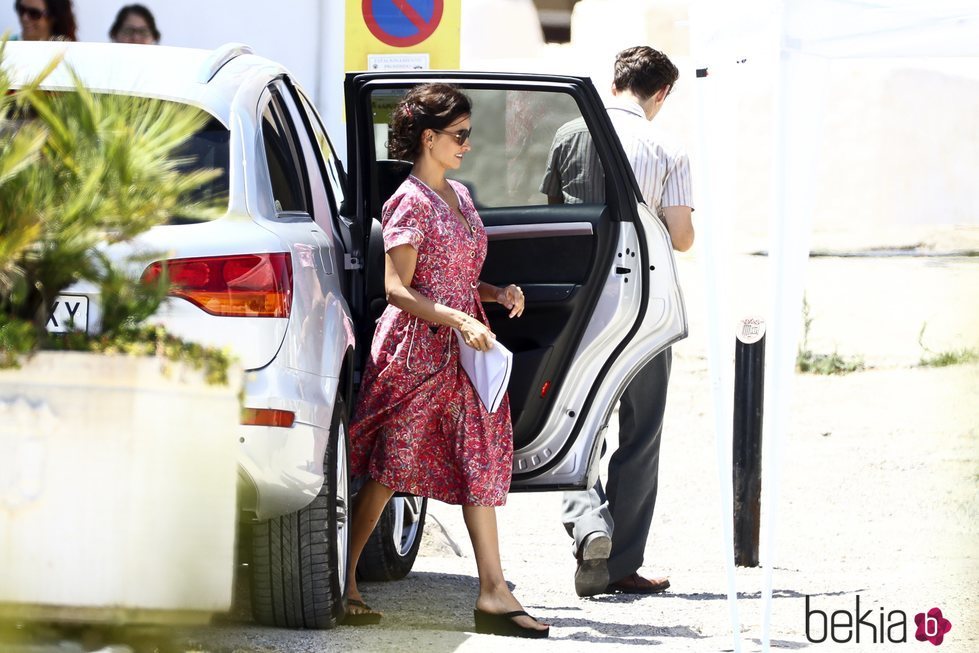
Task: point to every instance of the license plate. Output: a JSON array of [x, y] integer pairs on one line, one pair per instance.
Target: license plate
[[69, 313]]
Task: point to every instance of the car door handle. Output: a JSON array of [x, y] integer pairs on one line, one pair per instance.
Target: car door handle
[[539, 230]]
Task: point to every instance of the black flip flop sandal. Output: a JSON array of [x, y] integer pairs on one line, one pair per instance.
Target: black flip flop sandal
[[369, 618], [488, 623]]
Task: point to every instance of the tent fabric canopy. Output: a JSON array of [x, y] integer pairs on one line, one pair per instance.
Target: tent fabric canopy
[[796, 38], [882, 28]]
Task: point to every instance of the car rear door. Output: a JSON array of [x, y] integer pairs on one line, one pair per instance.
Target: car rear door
[[599, 277]]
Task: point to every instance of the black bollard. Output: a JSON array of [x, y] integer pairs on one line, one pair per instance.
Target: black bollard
[[749, 399]]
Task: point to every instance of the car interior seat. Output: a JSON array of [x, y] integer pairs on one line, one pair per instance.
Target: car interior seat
[[389, 175]]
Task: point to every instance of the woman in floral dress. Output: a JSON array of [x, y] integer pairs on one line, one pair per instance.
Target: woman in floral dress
[[419, 426]]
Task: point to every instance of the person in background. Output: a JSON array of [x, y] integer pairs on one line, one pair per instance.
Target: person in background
[[134, 24], [610, 524], [45, 20], [419, 427]]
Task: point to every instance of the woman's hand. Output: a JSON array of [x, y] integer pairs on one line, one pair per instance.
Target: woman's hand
[[512, 298], [476, 334]]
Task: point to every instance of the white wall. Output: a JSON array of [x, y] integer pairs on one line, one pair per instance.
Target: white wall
[[289, 36], [304, 35]]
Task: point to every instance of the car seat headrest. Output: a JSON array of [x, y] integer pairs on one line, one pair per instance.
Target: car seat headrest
[[390, 174]]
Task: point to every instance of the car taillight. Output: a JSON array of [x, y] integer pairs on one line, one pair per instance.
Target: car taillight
[[240, 285], [267, 417]]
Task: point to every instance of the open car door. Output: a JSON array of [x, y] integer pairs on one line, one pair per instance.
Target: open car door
[[599, 278]]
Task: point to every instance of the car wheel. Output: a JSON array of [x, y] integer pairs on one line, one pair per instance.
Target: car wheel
[[393, 546], [299, 561]]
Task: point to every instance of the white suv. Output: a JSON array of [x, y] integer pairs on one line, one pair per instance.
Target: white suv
[[290, 278]]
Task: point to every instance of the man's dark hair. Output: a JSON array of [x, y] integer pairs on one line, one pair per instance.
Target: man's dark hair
[[426, 106], [140, 11], [644, 71]]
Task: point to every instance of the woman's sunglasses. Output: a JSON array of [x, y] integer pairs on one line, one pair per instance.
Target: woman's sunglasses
[[461, 136], [137, 32], [30, 12]]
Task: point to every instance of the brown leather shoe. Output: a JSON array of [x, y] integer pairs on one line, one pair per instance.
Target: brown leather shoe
[[636, 584]]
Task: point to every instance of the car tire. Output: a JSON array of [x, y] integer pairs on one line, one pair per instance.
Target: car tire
[[393, 546], [299, 561]]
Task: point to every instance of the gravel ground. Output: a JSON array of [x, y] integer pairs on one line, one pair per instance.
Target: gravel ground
[[878, 499]]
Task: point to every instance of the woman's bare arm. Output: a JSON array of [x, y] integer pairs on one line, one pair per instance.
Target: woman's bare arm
[[399, 270]]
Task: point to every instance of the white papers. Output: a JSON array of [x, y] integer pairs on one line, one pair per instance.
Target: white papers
[[489, 371]]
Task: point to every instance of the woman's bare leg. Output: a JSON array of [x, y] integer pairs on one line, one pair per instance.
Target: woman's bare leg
[[494, 595], [367, 509]]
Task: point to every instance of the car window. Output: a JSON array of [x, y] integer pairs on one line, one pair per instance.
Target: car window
[[328, 156], [208, 149], [320, 205], [519, 142], [284, 158]]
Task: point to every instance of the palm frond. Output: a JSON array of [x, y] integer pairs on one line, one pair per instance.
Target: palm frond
[[20, 151], [95, 169]]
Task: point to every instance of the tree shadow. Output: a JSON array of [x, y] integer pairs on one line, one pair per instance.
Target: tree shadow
[[783, 643], [620, 633], [64, 637], [441, 605], [776, 594]]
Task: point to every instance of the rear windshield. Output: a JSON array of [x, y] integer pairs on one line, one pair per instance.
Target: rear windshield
[[208, 149]]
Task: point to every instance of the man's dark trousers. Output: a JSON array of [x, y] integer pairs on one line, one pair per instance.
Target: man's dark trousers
[[625, 505]]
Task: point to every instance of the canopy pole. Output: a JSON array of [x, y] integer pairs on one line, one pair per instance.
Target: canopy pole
[[800, 82], [713, 175]]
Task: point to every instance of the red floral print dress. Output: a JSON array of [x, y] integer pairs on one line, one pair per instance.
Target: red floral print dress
[[418, 425]]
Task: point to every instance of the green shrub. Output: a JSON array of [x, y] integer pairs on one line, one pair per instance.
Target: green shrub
[[931, 358], [810, 362], [79, 172]]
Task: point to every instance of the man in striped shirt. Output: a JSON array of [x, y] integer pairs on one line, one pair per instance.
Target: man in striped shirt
[[643, 79]]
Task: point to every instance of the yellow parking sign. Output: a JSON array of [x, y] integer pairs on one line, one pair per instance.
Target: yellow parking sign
[[402, 34]]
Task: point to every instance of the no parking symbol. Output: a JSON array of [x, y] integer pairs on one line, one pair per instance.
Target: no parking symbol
[[402, 23], [402, 34]]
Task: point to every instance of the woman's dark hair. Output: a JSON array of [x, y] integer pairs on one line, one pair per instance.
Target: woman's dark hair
[[62, 19], [426, 106], [644, 71], [140, 11]]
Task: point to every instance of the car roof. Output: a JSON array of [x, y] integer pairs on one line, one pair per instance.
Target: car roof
[[207, 79]]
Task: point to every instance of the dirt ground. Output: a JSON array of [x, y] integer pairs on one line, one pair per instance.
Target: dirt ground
[[878, 498], [877, 491]]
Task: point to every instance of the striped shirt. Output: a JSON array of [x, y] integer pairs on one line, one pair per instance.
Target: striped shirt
[[662, 168]]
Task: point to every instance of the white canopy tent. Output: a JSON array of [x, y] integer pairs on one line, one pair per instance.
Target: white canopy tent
[[793, 40]]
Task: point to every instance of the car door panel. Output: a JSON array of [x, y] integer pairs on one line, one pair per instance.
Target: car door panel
[[542, 244], [550, 252], [601, 299], [575, 464]]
